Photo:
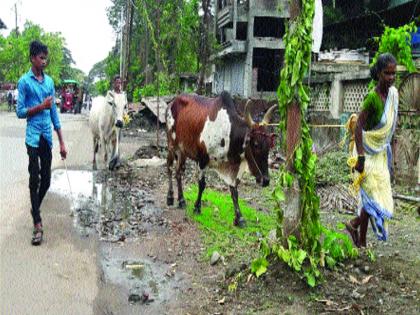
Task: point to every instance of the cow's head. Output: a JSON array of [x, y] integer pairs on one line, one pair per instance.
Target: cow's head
[[258, 143], [118, 101]]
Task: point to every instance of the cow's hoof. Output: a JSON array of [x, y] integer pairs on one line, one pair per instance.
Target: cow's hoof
[[197, 210], [182, 204], [239, 222], [112, 164], [170, 200]]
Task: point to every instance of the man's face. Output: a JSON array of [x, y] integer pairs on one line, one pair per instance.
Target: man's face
[[39, 61], [117, 85]]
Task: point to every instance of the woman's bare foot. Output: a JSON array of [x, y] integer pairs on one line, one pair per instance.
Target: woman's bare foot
[[353, 233]]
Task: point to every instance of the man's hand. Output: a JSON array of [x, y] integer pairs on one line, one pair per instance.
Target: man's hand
[[63, 151], [360, 165], [47, 103]]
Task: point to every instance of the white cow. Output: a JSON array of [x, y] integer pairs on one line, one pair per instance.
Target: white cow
[[106, 121]]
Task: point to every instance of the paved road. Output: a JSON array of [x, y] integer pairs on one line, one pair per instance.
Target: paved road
[[61, 276]]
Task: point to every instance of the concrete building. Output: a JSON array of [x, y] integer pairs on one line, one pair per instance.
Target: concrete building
[[250, 34]]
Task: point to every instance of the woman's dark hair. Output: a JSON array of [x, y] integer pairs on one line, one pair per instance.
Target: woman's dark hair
[[36, 48], [383, 61]]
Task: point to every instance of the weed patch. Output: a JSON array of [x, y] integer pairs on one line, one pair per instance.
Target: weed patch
[[216, 220]]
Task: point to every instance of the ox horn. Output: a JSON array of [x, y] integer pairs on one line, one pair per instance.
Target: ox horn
[[247, 114], [267, 117]]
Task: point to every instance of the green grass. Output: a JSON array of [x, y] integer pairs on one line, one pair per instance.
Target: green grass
[[216, 222]]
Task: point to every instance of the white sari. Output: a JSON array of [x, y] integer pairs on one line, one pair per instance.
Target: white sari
[[375, 194]]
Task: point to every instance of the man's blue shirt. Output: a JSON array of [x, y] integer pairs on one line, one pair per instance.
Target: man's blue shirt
[[32, 93]]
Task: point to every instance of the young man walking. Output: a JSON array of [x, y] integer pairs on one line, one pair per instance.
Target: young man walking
[[35, 104]]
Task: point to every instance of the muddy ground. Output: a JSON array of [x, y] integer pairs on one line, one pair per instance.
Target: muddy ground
[[153, 262]]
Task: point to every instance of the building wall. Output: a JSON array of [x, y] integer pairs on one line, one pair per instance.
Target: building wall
[[234, 71], [229, 76], [336, 93]]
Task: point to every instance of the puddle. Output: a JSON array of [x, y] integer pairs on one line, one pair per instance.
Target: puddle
[[118, 209], [141, 277], [116, 212]]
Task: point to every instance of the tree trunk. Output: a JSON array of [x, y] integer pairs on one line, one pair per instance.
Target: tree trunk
[[292, 213], [204, 46]]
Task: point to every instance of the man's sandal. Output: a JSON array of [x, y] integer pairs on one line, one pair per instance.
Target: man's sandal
[[353, 233], [37, 236]]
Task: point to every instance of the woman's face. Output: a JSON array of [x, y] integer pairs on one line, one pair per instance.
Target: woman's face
[[387, 75]]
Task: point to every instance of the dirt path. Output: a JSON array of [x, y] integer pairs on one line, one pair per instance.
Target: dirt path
[[152, 257]]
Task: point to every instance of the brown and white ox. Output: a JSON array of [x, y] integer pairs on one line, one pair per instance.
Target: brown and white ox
[[210, 132]]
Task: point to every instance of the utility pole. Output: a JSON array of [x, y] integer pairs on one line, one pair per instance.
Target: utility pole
[[125, 42], [121, 42], [158, 76], [16, 26]]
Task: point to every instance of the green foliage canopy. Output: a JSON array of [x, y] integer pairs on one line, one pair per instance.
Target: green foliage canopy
[[154, 35], [14, 52]]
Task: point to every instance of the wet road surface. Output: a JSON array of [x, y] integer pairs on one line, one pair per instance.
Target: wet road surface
[[93, 259], [59, 277]]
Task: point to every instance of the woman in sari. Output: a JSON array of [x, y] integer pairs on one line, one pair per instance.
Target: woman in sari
[[374, 130]]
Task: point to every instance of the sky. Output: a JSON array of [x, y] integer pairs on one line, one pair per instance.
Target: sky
[[83, 24]]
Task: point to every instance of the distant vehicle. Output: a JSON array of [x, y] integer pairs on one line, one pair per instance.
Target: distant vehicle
[[71, 96]]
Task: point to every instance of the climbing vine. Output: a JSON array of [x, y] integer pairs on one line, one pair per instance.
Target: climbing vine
[[297, 59], [306, 253]]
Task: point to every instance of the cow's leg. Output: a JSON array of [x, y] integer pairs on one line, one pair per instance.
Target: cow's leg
[[114, 155], [180, 166], [105, 147], [239, 220], [95, 150], [201, 186], [169, 164]]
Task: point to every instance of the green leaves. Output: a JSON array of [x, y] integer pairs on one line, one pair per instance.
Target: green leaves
[[296, 74], [259, 266], [397, 42], [293, 256], [310, 279], [14, 52], [278, 194]]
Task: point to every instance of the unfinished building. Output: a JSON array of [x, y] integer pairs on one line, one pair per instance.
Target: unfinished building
[[250, 34]]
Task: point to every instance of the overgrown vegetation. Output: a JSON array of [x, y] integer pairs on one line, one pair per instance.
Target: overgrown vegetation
[[332, 169], [216, 221], [397, 42], [166, 39]]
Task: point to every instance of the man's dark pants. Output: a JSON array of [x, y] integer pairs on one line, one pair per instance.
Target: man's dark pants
[[39, 175]]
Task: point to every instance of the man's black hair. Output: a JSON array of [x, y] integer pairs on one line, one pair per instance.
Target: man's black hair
[[37, 48], [117, 76]]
